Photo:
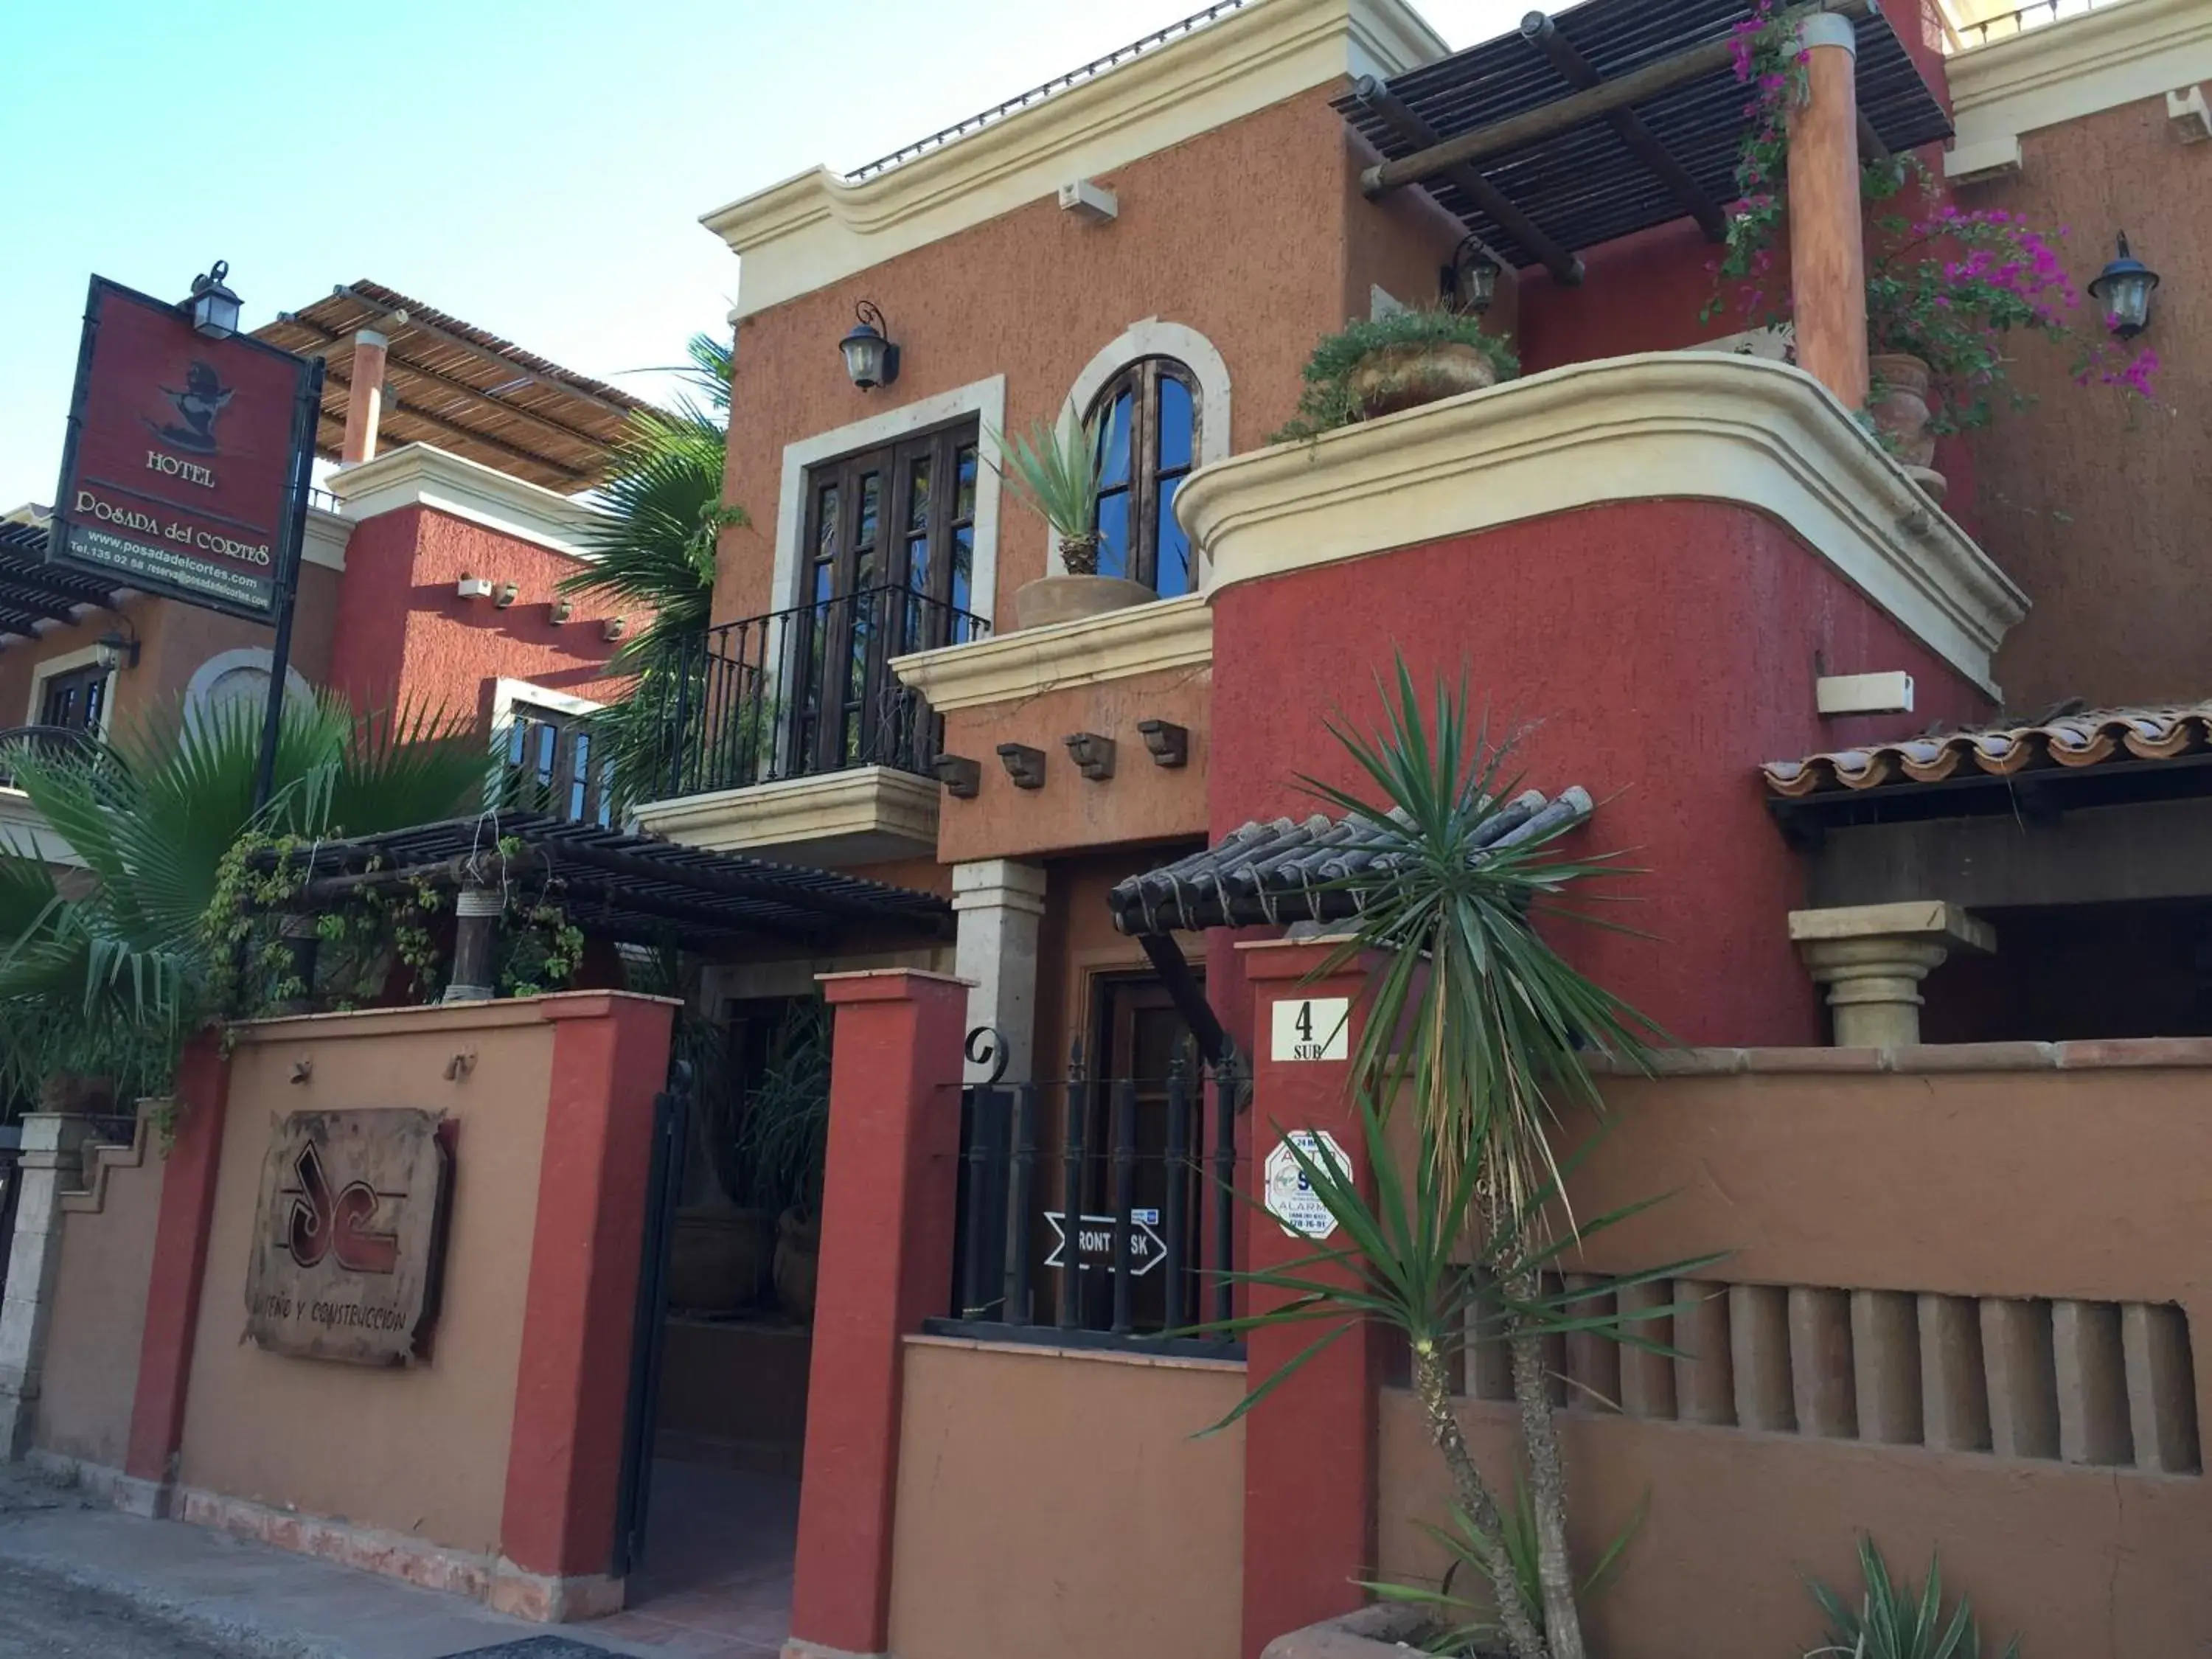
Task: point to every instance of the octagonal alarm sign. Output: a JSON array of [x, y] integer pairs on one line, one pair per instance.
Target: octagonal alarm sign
[[1290, 1197]]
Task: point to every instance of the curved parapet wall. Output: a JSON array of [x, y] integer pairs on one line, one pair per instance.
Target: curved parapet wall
[[1648, 562]]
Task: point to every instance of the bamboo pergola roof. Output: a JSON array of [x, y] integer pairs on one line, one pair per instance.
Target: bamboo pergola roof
[[452, 385]]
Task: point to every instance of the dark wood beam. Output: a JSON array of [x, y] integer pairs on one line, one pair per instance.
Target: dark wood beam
[[395, 365], [1557, 117], [1871, 148], [1394, 113], [486, 352], [465, 434], [1540, 32]]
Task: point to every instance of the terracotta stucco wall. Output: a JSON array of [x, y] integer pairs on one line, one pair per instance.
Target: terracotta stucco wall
[[91, 1371], [1658, 652], [406, 636], [2081, 1182], [1056, 1503], [1239, 233], [174, 639], [422, 1450], [2095, 501]]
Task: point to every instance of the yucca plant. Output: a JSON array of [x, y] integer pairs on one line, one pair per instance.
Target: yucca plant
[[1424, 1260], [105, 972], [1055, 469], [1891, 1622]]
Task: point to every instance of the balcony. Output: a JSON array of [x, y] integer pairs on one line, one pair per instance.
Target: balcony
[[789, 732]]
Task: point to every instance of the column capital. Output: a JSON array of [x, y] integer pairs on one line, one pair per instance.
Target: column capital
[[1005, 883], [1828, 29], [1872, 958]]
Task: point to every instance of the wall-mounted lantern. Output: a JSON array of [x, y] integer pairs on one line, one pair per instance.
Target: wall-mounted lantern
[[1470, 281], [214, 306], [2123, 288], [872, 358], [117, 649]]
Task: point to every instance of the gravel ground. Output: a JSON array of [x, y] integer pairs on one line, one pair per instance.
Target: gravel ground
[[44, 1617]]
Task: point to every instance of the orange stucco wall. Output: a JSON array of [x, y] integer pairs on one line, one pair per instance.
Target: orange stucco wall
[[1241, 233], [91, 1368], [1976, 1177], [2094, 502], [1011, 1542], [422, 1450]]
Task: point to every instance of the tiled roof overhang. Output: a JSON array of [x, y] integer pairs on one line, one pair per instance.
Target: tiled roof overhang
[[1300, 870]]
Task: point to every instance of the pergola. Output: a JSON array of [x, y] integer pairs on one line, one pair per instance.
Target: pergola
[[35, 596], [1606, 119], [448, 383]]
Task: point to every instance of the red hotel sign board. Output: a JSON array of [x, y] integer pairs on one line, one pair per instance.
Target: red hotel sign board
[[183, 464]]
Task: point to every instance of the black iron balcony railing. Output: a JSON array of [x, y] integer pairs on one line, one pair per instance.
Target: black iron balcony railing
[[806, 691]]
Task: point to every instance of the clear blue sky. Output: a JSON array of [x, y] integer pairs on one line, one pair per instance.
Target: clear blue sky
[[536, 166]]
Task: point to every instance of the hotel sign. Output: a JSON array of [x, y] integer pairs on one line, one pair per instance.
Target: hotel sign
[[185, 468], [349, 1236]]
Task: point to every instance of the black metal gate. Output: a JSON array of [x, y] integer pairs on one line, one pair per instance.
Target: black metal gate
[[671, 1115]]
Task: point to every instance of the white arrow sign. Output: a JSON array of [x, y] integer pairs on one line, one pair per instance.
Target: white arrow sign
[[1094, 1240]]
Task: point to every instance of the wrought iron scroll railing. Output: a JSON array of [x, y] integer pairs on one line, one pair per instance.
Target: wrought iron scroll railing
[[1098, 1213]]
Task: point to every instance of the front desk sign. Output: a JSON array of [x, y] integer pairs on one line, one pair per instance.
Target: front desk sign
[[348, 1238]]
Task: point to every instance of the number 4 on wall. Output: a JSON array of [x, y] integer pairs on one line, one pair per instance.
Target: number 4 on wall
[[1312, 1028]]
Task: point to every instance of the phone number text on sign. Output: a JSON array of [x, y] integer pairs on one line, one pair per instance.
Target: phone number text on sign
[[1290, 1197]]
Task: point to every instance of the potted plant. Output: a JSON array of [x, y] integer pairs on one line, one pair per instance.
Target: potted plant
[[1381, 364], [1055, 469], [784, 1142]]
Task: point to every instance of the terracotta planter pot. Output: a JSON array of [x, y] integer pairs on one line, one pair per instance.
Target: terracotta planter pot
[[798, 1256], [1393, 378], [1052, 599], [1899, 406], [718, 1259]]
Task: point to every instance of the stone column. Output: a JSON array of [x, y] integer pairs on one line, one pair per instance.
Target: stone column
[[1872, 958], [50, 1145], [886, 1265], [364, 397], [1827, 244], [1000, 905]]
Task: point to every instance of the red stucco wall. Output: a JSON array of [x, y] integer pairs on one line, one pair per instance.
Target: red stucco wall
[[404, 634], [1667, 647]]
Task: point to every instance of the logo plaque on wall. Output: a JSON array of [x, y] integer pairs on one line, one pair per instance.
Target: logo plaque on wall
[[349, 1236]]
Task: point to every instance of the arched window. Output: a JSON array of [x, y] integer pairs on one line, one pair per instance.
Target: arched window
[[1148, 418]]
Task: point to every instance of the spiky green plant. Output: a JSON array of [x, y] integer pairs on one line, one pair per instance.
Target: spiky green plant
[[1891, 1622], [105, 971], [1055, 469]]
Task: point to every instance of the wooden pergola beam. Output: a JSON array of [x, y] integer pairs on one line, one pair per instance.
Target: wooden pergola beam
[[400, 406], [1557, 117], [1394, 114], [486, 352], [1538, 29]]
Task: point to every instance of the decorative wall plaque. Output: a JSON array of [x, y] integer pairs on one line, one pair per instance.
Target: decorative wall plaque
[[348, 1238]]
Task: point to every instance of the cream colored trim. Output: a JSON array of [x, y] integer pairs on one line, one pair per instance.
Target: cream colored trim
[[1153, 338], [83, 657], [814, 229], [2040, 77], [326, 541], [505, 693], [1665, 425], [418, 474], [243, 656], [25, 832], [1175, 632], [863, 816], [986, 399]]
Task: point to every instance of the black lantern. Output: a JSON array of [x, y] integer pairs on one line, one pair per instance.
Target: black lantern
[[215, 307], [871, 357], [2123, 288], [1470, 281]]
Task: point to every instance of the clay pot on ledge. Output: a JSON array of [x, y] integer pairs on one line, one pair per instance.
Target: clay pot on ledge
[[1081, 592], [1900, 408], [1399, 377]]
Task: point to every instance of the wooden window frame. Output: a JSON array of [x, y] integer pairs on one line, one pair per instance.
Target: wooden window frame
[[1142, 379]]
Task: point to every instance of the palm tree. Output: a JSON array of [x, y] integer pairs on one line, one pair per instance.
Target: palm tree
[[106, 972], [654, 549], [1475, 1019]]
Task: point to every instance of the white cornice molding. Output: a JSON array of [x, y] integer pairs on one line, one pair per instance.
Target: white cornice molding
[[326, 541], [421, 475], [1666, 425], [814, 229], [2115, 55], [1175, 632], [866, 815]]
